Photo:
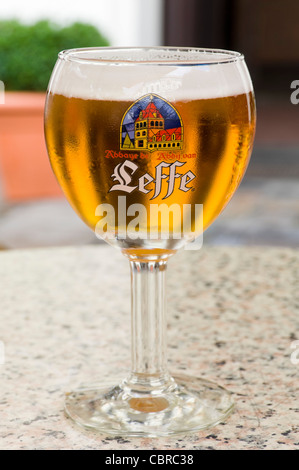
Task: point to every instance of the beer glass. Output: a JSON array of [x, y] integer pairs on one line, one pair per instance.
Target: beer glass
[[149, 145]]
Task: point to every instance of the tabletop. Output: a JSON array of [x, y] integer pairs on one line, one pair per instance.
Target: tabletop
[[232, 318]]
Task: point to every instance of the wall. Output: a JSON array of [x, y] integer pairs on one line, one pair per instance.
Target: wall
[[124, 22]]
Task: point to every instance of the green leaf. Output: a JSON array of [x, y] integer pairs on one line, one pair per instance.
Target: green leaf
[[28, 52]]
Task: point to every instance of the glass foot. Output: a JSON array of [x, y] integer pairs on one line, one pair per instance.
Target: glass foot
[[186, 404]]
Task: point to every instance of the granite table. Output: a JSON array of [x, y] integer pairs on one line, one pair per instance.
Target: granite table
[[233, 317]]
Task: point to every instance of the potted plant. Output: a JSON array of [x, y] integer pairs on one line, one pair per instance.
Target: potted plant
[[27, 57]]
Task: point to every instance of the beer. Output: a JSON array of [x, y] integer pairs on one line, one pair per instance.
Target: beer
[[83, 139]]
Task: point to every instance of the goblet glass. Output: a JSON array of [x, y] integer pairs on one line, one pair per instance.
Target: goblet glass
[[149, 145]]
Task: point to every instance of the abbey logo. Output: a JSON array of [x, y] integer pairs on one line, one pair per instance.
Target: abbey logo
[[151, 124]]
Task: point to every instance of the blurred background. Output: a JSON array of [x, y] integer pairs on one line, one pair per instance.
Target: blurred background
[[265, 210]]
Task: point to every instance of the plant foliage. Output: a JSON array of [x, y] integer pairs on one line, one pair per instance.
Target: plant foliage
[[28, 52]]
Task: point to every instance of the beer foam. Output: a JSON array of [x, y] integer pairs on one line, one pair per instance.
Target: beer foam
[[128, 74]]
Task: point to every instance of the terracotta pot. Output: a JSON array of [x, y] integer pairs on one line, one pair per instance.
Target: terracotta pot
[[25, 171]]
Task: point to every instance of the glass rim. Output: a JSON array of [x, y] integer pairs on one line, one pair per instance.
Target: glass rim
[[150, 55]]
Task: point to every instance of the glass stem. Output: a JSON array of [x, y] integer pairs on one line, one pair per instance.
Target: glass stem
[[149, 363]]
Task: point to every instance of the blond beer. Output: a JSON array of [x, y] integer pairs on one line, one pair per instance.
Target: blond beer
[[84, 144], [148, 150]]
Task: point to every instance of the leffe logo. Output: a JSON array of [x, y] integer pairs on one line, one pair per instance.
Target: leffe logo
[[151, 130], [151, 124], [123, 175]]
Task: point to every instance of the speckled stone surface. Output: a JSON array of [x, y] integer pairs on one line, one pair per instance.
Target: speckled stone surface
[[232, 318]]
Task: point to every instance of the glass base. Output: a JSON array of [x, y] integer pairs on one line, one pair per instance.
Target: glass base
[[187, 404]]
